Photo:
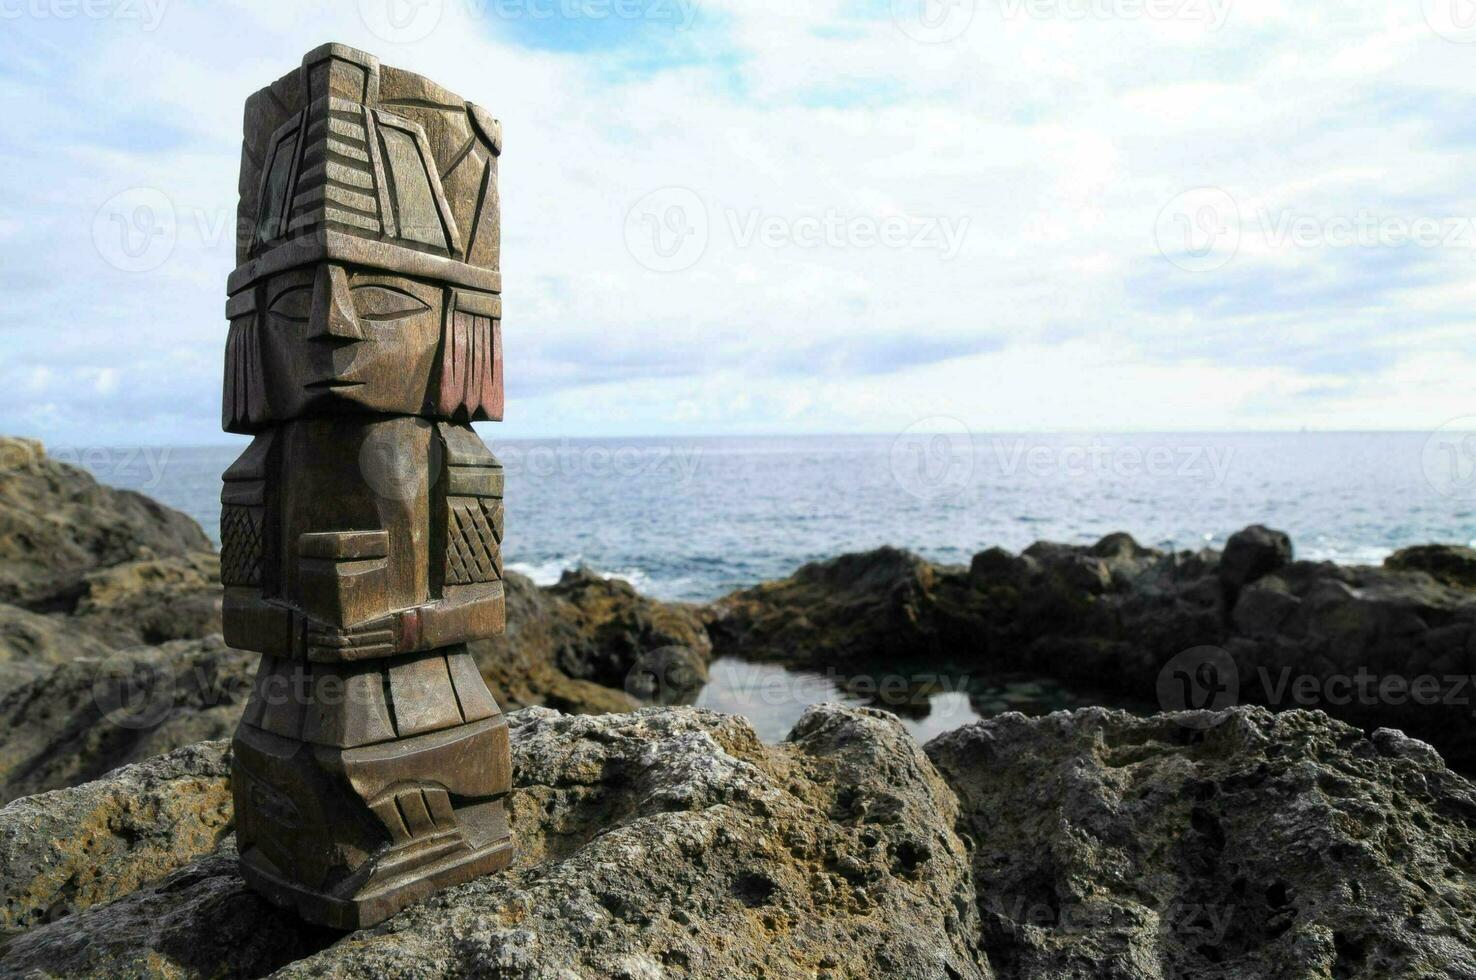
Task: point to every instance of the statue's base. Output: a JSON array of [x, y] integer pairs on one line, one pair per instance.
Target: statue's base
[[384, 895]]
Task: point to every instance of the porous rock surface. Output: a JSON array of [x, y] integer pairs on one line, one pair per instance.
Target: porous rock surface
[[1239, 844], [664, 842], [669, 842], [70, 849], [93, 714]]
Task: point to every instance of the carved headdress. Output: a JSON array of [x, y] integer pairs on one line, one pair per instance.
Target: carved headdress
[[349, 162]]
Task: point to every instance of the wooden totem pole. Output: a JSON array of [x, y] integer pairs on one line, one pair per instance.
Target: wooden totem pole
[[361, 530]]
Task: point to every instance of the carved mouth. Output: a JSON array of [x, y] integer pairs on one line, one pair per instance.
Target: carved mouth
[[333, 383]]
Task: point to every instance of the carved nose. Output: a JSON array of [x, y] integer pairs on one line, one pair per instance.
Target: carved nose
[[333, 307]]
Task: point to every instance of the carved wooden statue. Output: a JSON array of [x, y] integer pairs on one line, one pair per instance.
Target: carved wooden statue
[[361, 530]]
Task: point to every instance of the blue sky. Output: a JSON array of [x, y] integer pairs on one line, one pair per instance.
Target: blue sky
[[753, 217]]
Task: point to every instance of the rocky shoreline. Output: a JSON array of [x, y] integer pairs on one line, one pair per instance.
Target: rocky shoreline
[[669, 841], [1392, 646]]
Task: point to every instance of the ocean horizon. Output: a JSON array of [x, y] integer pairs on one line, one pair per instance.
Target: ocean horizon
[[692, 518]]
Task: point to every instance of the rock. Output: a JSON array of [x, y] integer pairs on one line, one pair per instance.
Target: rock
[[572, 646], [1449, 564], [198, 921], [1111, 617], [1253, 552], [1121, 547], [1264, 607], [519, 665], [610, 626], [31, 644], [90, 715], [152, 601], [668, 841], [667, 675], [846, 612], [57, 524], [997, 567], [1242, 844], [71, 849]]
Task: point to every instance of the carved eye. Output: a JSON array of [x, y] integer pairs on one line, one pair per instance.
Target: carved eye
[[294, 304], [385, 303]]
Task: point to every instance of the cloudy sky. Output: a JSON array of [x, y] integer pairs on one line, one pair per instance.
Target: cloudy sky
[[802, 215]]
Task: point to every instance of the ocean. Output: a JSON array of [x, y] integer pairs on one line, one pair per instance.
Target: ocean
[[693, 519]]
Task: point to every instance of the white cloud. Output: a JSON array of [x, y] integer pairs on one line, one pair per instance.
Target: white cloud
[[1055, 142]]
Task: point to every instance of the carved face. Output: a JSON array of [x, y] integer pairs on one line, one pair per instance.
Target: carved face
[[335, 338], [341, 338]]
